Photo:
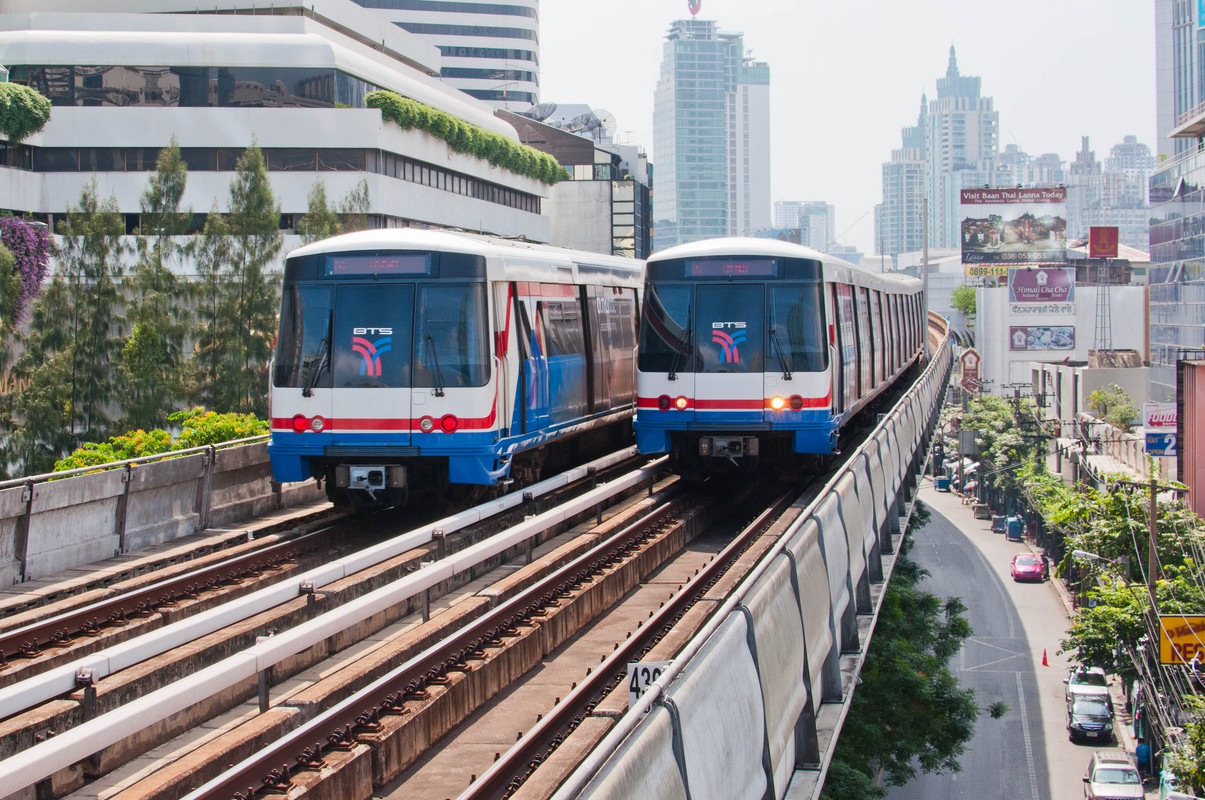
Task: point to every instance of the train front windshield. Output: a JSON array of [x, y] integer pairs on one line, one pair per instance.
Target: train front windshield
[[732, 327], [382, 335]]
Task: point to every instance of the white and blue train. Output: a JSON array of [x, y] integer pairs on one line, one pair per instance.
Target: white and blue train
[[756, 349], [438, 362]]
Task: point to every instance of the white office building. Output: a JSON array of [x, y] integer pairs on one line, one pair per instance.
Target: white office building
[[127, 76], [488, 50]]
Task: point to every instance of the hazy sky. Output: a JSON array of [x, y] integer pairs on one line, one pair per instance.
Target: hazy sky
[[845, 77]]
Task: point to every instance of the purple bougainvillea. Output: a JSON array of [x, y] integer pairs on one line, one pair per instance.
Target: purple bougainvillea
[[30, 246]]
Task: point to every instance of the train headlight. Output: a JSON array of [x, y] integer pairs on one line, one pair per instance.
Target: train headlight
[[663, 402], [777, 403], [300, 423], [448, 423], [680, 403], [796, 402], [426, 424], [317, 424]]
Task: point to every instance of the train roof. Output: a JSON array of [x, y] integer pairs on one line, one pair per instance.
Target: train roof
[[834, 267], [507, 259]]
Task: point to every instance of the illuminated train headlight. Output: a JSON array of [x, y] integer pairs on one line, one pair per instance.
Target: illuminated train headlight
[[663, 402], [777, 403], [426, 424], [680, 403], [300, 423], [317, 424], [796, 402], [448, 423]]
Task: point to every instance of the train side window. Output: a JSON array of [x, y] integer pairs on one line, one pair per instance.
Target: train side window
[[665, 340], [796, 328], [562, 320], [451, 348], [303, 344]]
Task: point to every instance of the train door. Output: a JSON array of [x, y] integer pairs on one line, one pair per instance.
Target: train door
[[847, 346], [866, 344], [371, 352], [533, 355], [729, 339]]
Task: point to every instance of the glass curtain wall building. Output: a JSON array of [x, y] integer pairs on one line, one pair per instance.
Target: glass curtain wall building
[[710, 137], [488, 50]]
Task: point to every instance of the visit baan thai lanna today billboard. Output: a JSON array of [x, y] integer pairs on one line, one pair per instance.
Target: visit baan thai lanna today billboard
[[1014, 227]]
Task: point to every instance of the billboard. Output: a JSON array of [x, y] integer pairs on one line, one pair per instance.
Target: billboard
[[1014, 226], [1181, 639], [1041, 285], [1048, 337]]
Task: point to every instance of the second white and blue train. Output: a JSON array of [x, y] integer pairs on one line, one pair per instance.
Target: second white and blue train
[[753, 349]]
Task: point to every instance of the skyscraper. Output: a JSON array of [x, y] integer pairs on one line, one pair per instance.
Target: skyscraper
[[489, 50], [962, 132], [711, 139], [899, 220]]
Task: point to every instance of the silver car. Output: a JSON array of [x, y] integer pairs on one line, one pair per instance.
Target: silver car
[[1112, 776]]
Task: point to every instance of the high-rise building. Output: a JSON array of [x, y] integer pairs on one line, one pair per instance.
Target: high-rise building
[[962, 131], [815, 219], [899, 220], [1111, 194], [489, 50], [1178, 89], [711, 137]]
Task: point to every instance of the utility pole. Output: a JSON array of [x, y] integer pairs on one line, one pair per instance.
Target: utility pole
[[1152, 554]]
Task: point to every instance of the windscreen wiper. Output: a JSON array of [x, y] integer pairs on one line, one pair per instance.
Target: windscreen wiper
[[323, 362], [429, 345], [784, 358], [673, 365]]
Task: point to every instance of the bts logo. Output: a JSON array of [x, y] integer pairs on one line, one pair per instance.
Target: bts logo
[[371, 351], [729, 342]]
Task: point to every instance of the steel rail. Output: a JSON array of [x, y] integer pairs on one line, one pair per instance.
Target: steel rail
[[507, 773], [336, 728], [63, 680]]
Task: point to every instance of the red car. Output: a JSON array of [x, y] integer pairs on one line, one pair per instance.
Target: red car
[[1028, 567]]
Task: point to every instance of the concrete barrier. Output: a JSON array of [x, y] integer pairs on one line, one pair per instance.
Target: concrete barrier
[[779, 655], [50, 523], [723, 743], [644, 767]]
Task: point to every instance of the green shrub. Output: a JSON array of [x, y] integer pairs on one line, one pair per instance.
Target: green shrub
[[466, 138], [22, 111], [198, 428]]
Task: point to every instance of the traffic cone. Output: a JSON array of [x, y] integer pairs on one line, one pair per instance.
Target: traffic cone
[[1045, 663]]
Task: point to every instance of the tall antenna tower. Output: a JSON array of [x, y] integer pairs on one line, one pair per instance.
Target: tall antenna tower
[[1104, 308]]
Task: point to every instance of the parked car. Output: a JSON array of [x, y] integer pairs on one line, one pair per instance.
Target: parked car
[[1090, 718], [1111, 774], [1028, 567], [1085, 682]]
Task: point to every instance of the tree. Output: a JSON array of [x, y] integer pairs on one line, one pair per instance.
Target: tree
[[963, 299], [909, 711], [238, 328], [354, 208], [319, 221], [73, 343], [1113, 405], [152, 357], [23, 111], [25, 250]]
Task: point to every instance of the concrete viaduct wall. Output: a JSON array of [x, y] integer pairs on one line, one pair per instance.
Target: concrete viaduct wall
[[753, 707], [50, 523]]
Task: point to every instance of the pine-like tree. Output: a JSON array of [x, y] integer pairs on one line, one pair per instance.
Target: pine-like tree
[[152, 357], [75, 335], [319, 221], [238, 327]]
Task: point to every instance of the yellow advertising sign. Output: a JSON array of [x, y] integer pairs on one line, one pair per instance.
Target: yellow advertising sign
[[1181, 638], [986, 270]]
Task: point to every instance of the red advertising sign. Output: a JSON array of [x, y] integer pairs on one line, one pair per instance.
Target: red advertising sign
[[1159, 415], [1102, 242]]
